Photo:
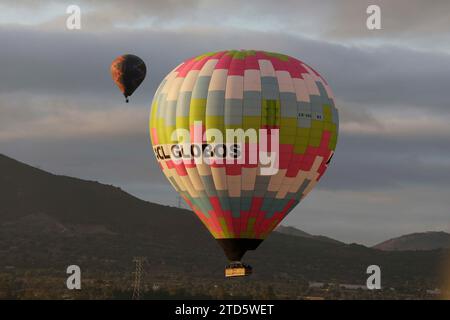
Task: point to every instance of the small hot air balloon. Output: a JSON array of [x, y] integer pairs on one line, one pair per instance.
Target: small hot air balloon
[[280, 96], [128, 71]]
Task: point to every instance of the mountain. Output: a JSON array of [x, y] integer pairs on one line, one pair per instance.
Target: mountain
[[431, 240], [292, 231], [48, 222]]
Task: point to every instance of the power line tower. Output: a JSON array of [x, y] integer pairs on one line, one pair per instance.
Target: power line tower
[[180, 202], [139, 275]]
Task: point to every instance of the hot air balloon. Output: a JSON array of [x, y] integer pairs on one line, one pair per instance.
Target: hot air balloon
[[128, 71], [278, 96]]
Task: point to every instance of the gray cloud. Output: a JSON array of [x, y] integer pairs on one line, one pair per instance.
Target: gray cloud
[[372, 217], [78, 63], [413, 22], [376, 162]]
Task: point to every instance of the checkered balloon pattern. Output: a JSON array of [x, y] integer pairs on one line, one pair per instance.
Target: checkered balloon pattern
[[246, 89]]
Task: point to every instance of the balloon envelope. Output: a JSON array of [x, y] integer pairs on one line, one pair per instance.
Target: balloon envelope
[[128, 71], [244, 89]]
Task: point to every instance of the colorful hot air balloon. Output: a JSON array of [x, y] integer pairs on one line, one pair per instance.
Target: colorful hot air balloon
[[128, 71], [273, 93]]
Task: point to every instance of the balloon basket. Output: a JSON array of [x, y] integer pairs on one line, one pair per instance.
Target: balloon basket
[[237, 269]]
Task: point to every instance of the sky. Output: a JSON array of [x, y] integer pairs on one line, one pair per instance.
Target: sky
[[60, 111]]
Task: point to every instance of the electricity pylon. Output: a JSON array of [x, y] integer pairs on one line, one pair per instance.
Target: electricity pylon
[[139, 275]]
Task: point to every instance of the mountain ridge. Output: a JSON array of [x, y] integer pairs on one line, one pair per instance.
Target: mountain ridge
[[417, 241], [293, 231]]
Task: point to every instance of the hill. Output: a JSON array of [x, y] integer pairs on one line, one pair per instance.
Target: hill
[[292, 231], [417, 241]]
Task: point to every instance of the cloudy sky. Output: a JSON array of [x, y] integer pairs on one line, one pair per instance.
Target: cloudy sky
[[59, 109]]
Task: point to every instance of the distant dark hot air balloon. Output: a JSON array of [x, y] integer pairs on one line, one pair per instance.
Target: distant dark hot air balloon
[[128, 71]]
